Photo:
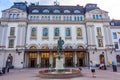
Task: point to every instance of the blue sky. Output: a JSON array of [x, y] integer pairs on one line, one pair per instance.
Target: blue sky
[[112, 6]]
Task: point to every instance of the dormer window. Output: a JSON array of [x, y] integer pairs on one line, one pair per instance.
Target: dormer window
[[46, 11], [66, 11], [56, 11], [76, 11], [35, 11]]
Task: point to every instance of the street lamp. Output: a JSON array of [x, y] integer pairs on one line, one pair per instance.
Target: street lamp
[[18, 51]]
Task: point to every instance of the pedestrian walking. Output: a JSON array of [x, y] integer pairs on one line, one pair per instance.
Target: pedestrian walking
[[92, 68]]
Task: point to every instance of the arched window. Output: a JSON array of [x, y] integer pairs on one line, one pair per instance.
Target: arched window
[[33, 47], [45, 47], [55, 47], [33, 32], [66, 11], [56, 11], [80, 47], [68, 47], [68, 33], [46, 11], [45, 32], [76, 11], [35, 11], [79, 32]]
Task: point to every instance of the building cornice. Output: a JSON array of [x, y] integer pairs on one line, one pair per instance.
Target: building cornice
[[14, 20], [99, 20], [56, 22], [115, 27]]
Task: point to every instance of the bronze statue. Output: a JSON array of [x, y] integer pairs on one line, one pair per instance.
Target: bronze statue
[[60, 45]]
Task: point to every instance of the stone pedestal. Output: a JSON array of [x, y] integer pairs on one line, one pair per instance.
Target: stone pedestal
[[59, 63]]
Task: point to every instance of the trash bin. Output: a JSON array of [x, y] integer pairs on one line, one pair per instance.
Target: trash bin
[[114, 68]]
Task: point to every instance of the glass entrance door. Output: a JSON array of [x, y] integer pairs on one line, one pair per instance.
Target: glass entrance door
[[68, 59], [44, 62], [32, 60], [45, 59], [80, 59]]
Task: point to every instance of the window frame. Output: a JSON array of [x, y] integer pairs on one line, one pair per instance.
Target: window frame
[[12, 31], [11, 43]]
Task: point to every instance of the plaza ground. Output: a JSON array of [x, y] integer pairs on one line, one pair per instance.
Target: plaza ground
[[32, 74]]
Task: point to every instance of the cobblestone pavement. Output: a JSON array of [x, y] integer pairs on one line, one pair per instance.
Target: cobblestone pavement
[[32, 74]]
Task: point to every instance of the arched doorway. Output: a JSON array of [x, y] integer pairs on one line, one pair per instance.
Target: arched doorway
[[68, 59], [68, 56], [102, 59], [32, 58], [45, 56], [80, 56]]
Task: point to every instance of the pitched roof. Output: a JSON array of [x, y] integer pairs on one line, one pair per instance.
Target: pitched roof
[[20, 5], [115, 22], [51, 8], [90, 7]]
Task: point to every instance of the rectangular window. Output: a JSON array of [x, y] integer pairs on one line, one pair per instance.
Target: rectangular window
[[79, 32], [114, 35], [75, 18], [99, 31], [10, 16], [80, 18], [93, 16], [45, 32], [68, 32], [12, 31], [100, 42], [97, 17], [33, 32], [56, 32], [11, 43], [116, 45]]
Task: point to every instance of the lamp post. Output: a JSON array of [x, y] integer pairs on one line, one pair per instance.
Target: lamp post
[[18, 51]]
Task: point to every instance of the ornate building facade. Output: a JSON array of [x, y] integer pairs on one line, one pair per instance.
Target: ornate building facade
[[115, 29], [30, 34]]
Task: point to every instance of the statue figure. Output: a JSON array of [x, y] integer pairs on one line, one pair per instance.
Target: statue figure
[[60, 45]]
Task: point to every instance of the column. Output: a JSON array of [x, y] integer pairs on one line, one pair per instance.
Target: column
[[106, 35], [75, 59], [51, 60], [93, 41], [38, 59]]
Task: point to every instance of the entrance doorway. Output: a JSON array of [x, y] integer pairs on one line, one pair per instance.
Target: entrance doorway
[[32, 63], [80, 62], [80, 59], [45, 59], [68, 59], [32, 60], [102, 59], [44, 62]]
